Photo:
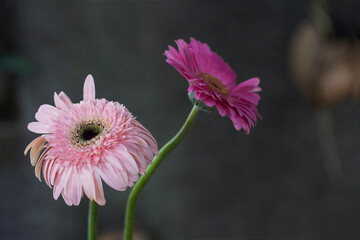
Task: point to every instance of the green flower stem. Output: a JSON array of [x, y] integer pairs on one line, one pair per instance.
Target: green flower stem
[[92, 220], [130, 208]]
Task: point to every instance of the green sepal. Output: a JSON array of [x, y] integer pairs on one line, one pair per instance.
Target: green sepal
[[200, 104]]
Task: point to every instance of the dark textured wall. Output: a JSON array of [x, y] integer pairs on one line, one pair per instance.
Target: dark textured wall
[[220, 183]]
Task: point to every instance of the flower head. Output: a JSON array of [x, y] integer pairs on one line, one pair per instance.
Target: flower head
[[87, 142], [212, 81]]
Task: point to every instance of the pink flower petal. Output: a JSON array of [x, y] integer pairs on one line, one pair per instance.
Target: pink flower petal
[[62, 101], [53, 172], [47, 112], [73, 190], [213, 82], [88, 182], [38, 127], [117, 179], [99, 191], [127, 161], [89, 89], [86, 143], [60, 182], [250, 85], [65, 99], [46, 169]]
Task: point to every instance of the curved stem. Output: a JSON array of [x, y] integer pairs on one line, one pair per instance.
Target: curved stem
[[92, 220], [130, 208]]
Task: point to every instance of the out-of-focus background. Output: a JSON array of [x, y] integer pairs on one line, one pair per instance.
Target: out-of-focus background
[[296, 176]]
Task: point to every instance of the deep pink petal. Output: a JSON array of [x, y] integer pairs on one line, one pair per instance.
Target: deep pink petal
[[213, 82], [251, 85]]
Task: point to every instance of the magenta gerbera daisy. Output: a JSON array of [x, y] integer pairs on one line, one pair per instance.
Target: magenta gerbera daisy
[[212, 81], [87, 142]]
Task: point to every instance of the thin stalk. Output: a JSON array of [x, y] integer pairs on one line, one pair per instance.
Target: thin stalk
[[164, 151], [92, 220]]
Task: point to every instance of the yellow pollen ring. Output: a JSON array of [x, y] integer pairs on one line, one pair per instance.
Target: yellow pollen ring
[[87, 133], [215, 83]]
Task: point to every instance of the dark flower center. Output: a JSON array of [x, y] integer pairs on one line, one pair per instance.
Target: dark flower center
[[215, 84], [87, 133]]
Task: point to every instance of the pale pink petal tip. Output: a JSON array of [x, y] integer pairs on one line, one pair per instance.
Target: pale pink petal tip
[[87, 142], [62, 101], [38, 127], [65, 99], [58, 102], [89, 88], [213, 82]]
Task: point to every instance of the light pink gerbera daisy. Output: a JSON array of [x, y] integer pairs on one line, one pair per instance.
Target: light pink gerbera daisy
[[213, 82], [85, 142]]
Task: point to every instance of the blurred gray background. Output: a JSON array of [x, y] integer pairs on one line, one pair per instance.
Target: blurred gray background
[[219, 183]]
